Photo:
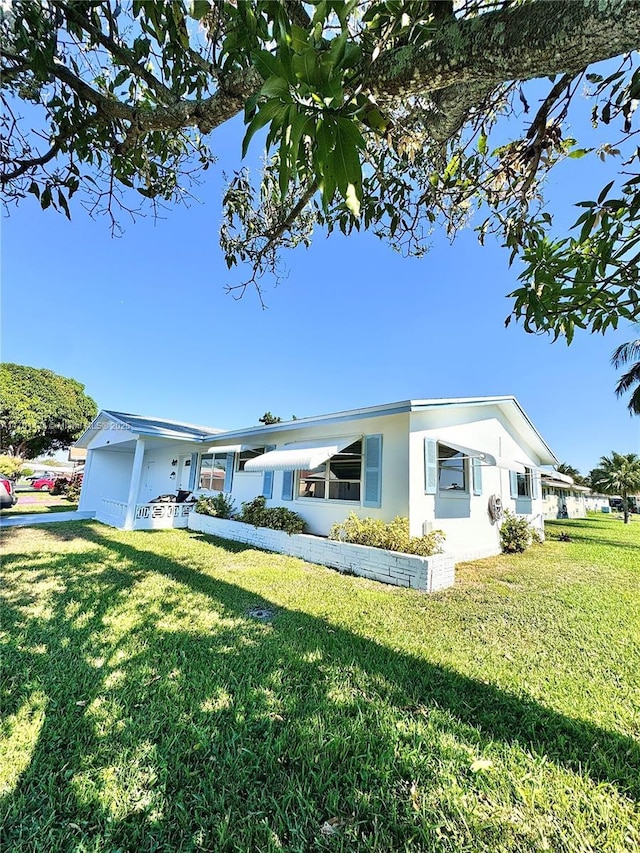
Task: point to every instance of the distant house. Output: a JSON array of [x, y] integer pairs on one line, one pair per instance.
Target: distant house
[[446, 464], [562, 498], [597, 503]]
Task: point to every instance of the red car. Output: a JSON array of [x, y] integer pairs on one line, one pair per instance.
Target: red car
[[43, 484]]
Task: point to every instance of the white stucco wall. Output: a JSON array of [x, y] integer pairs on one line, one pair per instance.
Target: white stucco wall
[[107, 436], [108, 476], [320, 515], [596, 502], [464, 518]]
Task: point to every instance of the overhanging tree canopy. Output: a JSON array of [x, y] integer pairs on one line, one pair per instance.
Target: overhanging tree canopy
[[394, 116], [40, 411]]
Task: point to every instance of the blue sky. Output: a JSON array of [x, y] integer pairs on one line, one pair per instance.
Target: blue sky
[[144, 322]]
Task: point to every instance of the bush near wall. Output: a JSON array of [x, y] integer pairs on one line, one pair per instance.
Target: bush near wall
[[60, 486], [516, 534], [219, 506], [392, 536], [68, 487], [276, 517]]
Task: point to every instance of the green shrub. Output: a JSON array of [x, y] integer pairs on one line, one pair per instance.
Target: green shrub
[[60, 486], [516, 534], [69, 487], [219, 506], [73, 489], [392, 536], [10, 466], [277, 517]]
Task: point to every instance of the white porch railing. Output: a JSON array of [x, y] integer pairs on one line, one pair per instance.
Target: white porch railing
[[149, 516], [112, 512], [156, 516]]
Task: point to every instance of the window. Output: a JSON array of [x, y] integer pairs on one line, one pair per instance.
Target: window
[[524, 484], [338, 479], [213, 469], [245, 455], [452, 470]]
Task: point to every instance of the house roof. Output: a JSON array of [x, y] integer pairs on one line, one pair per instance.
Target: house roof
[[513, 411], [141, 425], [162, 428]]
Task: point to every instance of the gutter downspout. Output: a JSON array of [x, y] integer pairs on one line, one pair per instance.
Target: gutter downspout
[[134, 485]]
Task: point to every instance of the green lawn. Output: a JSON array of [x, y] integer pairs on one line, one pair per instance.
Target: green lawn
[[31, 501], [145, 710]]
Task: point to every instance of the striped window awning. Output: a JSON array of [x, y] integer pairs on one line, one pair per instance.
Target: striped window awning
[[301, 456]]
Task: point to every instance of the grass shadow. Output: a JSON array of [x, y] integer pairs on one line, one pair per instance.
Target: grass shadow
[[195, 705]]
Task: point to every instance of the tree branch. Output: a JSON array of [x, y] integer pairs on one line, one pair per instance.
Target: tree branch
[[123, 54], [515, 43]]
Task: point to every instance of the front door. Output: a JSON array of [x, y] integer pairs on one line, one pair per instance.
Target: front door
[[148, 482], [184, 472]]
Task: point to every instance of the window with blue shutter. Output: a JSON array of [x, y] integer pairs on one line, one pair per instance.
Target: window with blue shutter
[[193, 473], [287, 485], [228, 474], [267, 479], [372, 471], [430, 466], [513, 484], [476, 470]]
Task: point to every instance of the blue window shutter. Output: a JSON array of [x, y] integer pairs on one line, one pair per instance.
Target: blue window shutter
[[267, 479], [535, 491], [513, 483], [287, 485], [193, 473], [476, 469], [228, 474], [430, 466], [267, 484], [372, 470]]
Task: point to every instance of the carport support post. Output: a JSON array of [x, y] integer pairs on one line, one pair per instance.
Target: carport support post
[[134, 486]]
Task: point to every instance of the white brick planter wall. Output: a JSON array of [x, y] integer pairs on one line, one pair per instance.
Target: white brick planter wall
[[426, 573]]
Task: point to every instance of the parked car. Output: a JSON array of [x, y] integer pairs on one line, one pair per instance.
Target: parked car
[[39, 475], [7, 495], [43, 483]]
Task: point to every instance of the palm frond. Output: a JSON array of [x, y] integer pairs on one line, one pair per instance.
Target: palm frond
[[628, 380], [626, 353]]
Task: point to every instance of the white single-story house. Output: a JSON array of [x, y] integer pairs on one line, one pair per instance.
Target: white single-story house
[[597, 503], [562, 498], [446, 464]]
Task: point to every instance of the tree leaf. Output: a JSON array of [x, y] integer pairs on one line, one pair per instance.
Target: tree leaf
[[199, 8]]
